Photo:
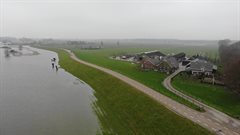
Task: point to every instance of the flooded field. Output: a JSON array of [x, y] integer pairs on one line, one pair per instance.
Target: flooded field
[[36, 99]]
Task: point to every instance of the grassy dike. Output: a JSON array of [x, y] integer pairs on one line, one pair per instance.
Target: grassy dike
[[123, 110], [151, 79]]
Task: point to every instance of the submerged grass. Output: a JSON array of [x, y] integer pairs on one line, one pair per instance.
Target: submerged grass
[[124, 110]]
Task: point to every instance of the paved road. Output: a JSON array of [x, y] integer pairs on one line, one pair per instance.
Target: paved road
[[215, 114], [207, 119]]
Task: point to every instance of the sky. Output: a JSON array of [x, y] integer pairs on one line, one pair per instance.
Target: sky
[[119, 19]]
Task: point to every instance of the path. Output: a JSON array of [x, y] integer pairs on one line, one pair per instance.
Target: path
[[215, 114], [206, 119]]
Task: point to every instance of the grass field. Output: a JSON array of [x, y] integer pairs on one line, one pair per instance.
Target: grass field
[[215, 96], [151, 79], [123, 110]]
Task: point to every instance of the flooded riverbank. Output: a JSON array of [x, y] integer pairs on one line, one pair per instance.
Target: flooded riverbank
[[35, 99]]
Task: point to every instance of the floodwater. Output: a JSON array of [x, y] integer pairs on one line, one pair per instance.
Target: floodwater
[[38, 100]]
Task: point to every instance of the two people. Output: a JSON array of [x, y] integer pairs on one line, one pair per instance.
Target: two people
[[53, 60]]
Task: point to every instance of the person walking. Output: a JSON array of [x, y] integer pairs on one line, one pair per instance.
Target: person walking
[[56, 68], [52, 65]]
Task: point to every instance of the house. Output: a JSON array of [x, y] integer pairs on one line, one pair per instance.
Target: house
[[168, 65], [186, 62], [198, 57], [165, 64], [199, 66], [150, 64], [151, 54], [138, 58], [180, 57]]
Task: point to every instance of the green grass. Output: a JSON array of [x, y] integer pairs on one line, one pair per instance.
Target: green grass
[[123, 110], [215, 96], [151, 79]]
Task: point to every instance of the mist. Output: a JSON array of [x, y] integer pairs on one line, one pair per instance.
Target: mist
[[115, 19]]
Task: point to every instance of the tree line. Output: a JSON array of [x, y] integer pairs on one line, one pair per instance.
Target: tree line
[[230, 60]]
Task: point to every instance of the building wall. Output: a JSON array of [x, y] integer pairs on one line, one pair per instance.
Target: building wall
[[200, 72], [165, 67], [147, 65]]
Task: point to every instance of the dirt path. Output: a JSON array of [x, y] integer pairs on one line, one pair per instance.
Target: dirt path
[[206, 119]]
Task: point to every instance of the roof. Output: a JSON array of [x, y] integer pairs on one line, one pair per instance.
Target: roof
[[172, 61], [201, 65], [198, 57], [179, 55], [153, 61], [154, 53]]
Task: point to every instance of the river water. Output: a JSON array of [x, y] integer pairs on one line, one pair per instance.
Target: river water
[[38, 100]]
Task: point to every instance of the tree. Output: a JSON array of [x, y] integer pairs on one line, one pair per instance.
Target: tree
[[230, 60], [223, 44], [232, 75]]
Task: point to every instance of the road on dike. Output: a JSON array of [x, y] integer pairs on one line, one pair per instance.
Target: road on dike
[[219, 123]]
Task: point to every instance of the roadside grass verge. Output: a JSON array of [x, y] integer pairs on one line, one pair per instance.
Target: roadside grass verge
[[215, 96], [151, 79], [123, 110]]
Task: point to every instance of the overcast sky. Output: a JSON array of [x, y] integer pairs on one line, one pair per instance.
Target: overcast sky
[[179, 19]]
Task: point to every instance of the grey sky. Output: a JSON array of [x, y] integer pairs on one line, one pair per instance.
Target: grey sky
[[181, 19]]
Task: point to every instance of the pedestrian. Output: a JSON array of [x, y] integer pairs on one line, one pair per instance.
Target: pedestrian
[[53, 59], [56, 68], [52, 65]]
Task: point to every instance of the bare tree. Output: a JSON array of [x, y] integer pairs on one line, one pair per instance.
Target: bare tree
[[230, 59]]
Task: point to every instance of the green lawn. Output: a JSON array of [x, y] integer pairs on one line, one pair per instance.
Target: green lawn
[[123, 110], [215, 96], [151, 78]]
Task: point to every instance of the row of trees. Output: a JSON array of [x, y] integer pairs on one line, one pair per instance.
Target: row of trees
[[230, 59]]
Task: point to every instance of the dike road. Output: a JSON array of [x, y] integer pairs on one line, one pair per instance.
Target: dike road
[[213, 120]]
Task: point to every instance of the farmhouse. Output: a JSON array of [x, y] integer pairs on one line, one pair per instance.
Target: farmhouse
[[168, 65], [180, 57], [150, 64], [151, 54], [165, 64], [198, 57], [199, 66], [154, 54], [186, 62]]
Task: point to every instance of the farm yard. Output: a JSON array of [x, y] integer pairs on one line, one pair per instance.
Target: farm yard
[[151, 79], [154, 79], [133, 117], [117, 59]]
